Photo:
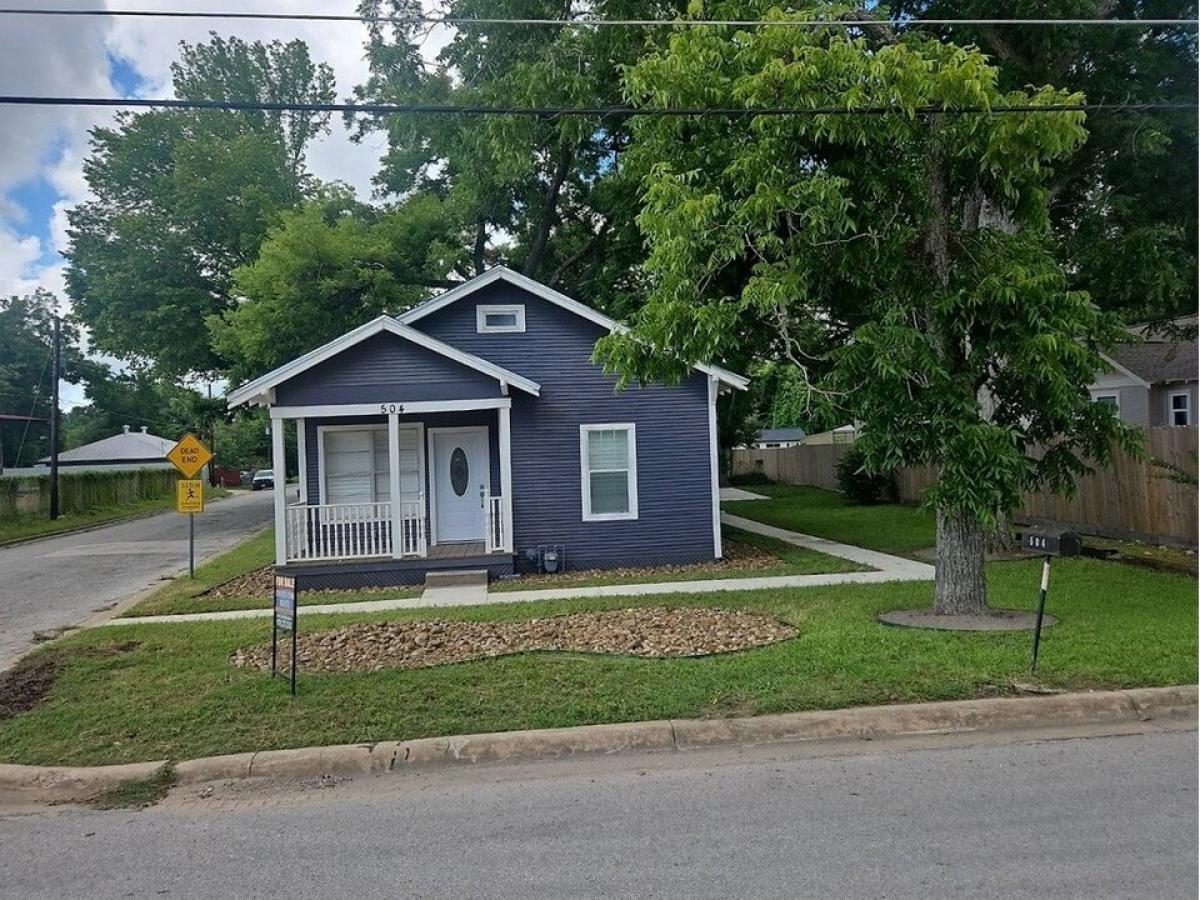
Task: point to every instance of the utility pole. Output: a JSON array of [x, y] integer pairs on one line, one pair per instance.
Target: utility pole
[[56, 369]]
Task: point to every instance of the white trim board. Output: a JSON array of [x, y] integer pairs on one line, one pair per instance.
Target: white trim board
[[500, 273], [257, 390], [384, 409]]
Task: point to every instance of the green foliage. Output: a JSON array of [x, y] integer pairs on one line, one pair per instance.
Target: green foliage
[[80, 492], [857, 483], [1123, 207], [182, 197], [26, 388], [749, 479], [328, 267], [901, 263]]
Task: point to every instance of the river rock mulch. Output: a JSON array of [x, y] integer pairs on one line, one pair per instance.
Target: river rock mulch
[[654, 631], [261, 583]]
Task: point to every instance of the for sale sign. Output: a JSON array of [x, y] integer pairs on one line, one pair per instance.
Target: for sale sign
[[285, 602]]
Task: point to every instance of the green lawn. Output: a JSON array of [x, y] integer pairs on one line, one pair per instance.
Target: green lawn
[[888, 527], [173, 694], [790, 560], [186, 595], [23, 527]]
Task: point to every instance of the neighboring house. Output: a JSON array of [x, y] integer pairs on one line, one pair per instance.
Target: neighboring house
[[1153, 381], [847, 434], [127, 450], [475, 431], [771, 438]]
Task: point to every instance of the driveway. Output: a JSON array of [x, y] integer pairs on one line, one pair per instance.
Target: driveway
[[59, 581]]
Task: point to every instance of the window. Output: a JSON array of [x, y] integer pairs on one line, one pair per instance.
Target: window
[[354, 465], [608, 465], [1112, 400], [1181, 413], [499, 319]]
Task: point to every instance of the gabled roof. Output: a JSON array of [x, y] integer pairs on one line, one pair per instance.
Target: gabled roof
[[1160, 357], [259, 389], [500, 273], [126, 446]]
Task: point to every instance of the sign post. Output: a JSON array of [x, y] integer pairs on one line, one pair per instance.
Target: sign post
[[1064, 543], [283, 618], [189, 456]]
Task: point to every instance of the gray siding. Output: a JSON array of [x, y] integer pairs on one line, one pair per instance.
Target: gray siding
[[385, 369], [1160, 402], [674, 486]]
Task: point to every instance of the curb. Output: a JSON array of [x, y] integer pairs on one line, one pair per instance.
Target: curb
[[64, 784]]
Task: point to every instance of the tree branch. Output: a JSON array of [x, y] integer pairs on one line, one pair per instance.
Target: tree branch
[[549, 212]]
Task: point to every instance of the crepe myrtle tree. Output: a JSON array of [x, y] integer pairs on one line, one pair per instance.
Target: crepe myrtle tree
[[901, 260]]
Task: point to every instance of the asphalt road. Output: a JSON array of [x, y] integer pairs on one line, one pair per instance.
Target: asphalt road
[[60, 581], [1089, 818]]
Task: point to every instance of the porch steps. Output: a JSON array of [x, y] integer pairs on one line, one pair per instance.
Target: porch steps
[[456, 578]]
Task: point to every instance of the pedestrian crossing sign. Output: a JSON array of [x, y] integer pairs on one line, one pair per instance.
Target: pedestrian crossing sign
[[189, 495]]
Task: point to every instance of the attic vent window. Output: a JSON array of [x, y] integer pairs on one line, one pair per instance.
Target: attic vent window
[[499, 319]]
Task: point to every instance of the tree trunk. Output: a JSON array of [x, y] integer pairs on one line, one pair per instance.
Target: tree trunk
[[959, 587]]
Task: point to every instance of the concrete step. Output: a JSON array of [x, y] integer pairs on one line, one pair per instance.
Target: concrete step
[[456, 578]]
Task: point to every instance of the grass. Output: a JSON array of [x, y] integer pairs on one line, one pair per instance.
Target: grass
[[137, 793], [790, 560], [888, 527], [23, 527], [186, 595], [170, 692]]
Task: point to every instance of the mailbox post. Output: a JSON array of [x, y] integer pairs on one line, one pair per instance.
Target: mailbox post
[[1049, 544]]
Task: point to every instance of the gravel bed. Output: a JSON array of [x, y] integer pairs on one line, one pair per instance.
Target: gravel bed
[[654, 631], [261, 583]]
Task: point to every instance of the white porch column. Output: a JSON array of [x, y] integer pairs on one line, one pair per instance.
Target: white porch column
[[279, 467], [506, 490], [714, 390], [394, 482], [302, 459]]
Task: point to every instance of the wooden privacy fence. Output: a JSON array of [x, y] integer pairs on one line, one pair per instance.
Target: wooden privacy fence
[[1131, 498], [81, 491], [811, 464]]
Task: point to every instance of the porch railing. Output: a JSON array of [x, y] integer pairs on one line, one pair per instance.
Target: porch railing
[[336, 531], [493, 523]]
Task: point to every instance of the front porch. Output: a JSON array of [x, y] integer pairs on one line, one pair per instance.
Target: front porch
[[420, 485]]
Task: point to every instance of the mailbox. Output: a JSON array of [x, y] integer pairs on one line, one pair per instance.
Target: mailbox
[[1052, 543]]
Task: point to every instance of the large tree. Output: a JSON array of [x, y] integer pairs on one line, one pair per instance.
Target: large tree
[[1123, 206], [545, 195], [183, 197], [26, 369], [902, 260]]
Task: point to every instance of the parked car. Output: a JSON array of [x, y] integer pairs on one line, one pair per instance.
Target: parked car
[[264, 479]]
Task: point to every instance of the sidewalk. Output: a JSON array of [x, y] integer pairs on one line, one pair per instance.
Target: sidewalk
[[887, 568]]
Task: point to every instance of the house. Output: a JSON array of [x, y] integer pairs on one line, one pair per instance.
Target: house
[[770, 438], [475, 431], [1152, 380], [127, 450]]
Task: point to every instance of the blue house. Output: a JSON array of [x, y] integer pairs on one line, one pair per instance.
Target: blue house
[[475, 431]]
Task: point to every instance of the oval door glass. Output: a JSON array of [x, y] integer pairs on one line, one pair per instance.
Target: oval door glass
[[460, 473]]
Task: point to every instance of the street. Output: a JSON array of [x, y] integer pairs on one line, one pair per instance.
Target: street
[[1083, 817], [60, 581]]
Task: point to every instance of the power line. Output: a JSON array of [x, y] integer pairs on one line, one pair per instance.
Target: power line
[[460, 21], [602, 112]]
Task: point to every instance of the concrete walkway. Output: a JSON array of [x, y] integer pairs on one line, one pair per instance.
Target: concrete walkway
[[886, 566], [732, 493]]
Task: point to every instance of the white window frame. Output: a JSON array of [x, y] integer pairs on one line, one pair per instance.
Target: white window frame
[[1102, 396], [585, 483], [419, 427], [1187, 407], [482, 312]]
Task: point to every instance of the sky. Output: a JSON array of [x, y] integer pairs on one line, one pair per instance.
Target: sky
[[42, 149]]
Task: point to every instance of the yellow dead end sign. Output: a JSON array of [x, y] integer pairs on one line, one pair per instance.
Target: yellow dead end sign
[[189, 496], [189, 456]]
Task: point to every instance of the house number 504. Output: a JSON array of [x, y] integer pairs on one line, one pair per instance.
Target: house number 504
[[391, 408]]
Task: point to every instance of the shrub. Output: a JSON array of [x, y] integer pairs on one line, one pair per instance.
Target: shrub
[[749, 479], [857, 484]]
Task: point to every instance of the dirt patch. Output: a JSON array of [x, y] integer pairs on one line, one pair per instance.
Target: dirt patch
[[261, 583], [645, 631], [737, 557], [27, 683]]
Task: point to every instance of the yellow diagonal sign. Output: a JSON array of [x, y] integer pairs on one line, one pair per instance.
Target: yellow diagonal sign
[[189, 455]]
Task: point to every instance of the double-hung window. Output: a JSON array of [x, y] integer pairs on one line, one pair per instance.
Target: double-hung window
[[608, 467], [1181, 413]]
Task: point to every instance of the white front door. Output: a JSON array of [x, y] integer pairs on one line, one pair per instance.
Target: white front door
[[459, 476]]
